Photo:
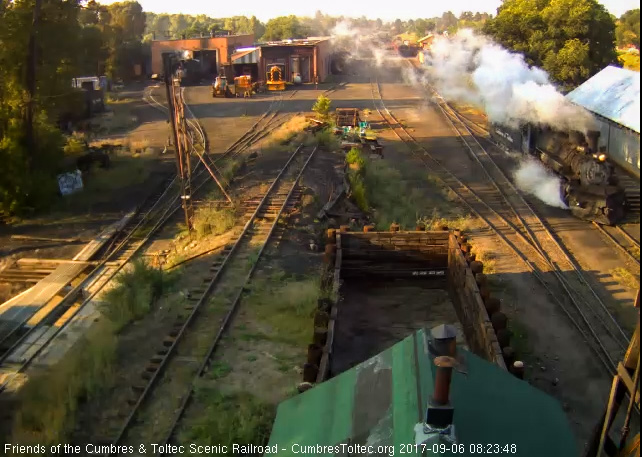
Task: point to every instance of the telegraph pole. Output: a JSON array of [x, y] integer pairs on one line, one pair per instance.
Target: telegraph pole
[[180, 170]]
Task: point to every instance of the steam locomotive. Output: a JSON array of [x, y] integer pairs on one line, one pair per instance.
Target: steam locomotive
[[589, 185]]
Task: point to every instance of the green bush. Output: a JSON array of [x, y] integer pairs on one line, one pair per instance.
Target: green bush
[[354, 157], [74, 147], [209, 221], [136, 291], [327, 140], [358, 190]]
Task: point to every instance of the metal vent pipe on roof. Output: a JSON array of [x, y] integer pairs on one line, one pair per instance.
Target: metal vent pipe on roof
[[443, 378]]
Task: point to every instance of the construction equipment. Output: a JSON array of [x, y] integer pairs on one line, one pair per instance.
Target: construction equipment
[[221, 87], [243, 86], [626, 380], [275, 78]]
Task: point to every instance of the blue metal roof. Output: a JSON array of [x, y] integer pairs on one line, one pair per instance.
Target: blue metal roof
[[613, 93]]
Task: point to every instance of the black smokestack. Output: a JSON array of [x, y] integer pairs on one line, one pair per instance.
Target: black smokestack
[[592, 137]]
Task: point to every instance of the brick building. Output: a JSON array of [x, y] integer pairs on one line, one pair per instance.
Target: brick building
[[211, 52]]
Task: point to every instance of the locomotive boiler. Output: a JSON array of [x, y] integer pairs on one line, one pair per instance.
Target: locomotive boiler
[[588, 184]]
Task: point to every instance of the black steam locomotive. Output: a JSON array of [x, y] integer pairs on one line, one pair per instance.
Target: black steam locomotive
[[589, 183]]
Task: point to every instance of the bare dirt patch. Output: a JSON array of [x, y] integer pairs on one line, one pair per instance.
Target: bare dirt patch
[[373, 316]]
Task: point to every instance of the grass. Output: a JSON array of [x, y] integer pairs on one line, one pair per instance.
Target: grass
[[393, 195], [286, 305], [486, 257], [210, 221], [286, 132], [635, 252], [100, 184], [48, 401], [218, 370], [519, 339], [228, 419], [626, 278], [118, 119], [135, 293], [230, 169], [138, 146]]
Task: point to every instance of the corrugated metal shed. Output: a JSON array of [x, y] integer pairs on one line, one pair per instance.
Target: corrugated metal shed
[[613, 93], [379, 402], [246, 56]]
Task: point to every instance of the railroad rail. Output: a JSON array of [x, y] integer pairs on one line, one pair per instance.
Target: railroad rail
[[621, 239], [226, 281], [146, 220], [503, 209]]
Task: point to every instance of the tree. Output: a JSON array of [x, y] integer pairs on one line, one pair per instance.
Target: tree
[[448, 20], [322, 107], [284, 27], [570, 39], [628, 29]]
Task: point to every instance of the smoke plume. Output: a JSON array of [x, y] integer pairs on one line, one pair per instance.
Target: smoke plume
[[360, 43], [533, 178], [473, 69]]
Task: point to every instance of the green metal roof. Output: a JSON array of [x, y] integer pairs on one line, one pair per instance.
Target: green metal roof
[[380, 401]]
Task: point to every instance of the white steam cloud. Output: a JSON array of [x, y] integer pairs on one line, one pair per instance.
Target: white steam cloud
[[533, 178], [360, 43], [473, 69]]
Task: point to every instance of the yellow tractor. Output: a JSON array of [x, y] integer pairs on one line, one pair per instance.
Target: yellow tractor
[[275, 79]]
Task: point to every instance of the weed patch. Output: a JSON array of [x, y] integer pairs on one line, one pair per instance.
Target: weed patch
[[48, 401], [394, 196], [135, 293], [286, 132], [100, 184], [209, 221], [285, 305], [327, 140], [230, 419], [626, 278]]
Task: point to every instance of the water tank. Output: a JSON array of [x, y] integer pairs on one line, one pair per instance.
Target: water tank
[[297, 78]]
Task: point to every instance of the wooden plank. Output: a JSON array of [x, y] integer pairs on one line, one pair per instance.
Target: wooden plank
[[45, 238], [632, 356], [31, 261], [15, 313], [628, 381]]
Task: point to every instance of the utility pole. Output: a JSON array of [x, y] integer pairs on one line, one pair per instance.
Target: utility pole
[[178, 145], [32, 60]]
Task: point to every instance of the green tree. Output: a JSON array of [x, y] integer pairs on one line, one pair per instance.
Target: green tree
[[322, 107], [27, 173], [570, 39], [628, 29], [283, 28]]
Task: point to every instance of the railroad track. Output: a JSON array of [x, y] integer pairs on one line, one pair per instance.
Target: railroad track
[[32, 340], [22, 344], [620, 238], [205, 319], [616, 235], [496, 201]]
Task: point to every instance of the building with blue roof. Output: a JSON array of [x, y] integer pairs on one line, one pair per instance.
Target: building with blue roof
[[613, 96]]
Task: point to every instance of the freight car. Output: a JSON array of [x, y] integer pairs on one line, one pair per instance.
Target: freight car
[[589, 186]]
